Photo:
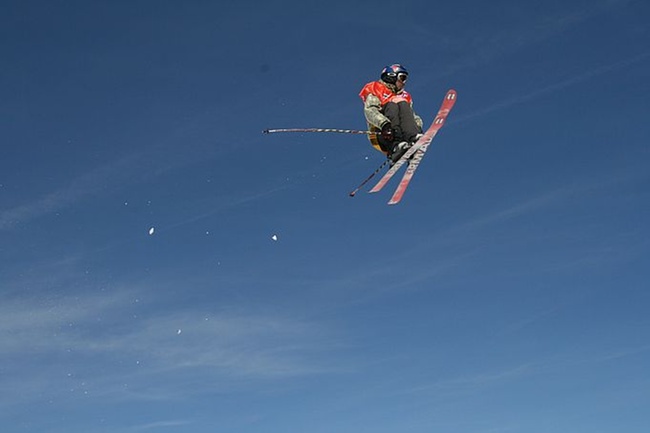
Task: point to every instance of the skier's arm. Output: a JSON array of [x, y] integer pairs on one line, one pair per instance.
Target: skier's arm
[[372, 111], [418, 121]]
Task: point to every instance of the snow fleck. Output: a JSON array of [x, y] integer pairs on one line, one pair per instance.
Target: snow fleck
[[179, 332], [151, 231], [274, 237]]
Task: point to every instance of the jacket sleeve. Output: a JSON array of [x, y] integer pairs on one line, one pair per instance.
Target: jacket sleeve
[[418, 121], [372, 111]]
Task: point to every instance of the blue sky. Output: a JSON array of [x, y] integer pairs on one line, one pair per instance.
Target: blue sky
[[507, 293]]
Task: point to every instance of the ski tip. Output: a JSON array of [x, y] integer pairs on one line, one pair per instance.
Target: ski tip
[[353, 193], [266, 131]]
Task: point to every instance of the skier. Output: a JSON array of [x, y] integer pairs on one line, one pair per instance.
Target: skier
[[388, 109]]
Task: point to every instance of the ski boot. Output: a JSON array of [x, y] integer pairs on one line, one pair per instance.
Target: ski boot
[[399, 150]]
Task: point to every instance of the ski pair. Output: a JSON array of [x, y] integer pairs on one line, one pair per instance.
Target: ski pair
[[414, 155]]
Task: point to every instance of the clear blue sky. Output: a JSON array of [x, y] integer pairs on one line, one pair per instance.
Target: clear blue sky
[[507, 293]]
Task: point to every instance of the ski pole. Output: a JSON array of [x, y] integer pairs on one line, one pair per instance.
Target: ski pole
[[340, 131], [352, 193]]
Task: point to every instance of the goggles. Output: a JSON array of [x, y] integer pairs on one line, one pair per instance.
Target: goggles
[[402, 77]]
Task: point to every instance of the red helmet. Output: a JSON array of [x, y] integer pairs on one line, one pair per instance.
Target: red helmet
[[390, 73]]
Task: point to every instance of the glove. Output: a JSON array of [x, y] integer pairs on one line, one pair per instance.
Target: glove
[[387, 132]]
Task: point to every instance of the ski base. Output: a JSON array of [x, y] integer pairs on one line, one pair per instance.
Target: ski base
[[415, 154]]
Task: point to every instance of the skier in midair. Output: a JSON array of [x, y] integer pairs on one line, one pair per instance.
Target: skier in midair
[[388, 109]]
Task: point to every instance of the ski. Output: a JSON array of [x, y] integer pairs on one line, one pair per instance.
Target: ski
[[415, 154], [408, 175], [395, 167]]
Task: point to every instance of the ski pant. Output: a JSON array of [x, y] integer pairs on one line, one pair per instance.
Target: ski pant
[[403, 123]]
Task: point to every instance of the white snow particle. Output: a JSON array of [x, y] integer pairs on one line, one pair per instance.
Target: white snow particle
[[151, 230], [274, 237], [179, 332]]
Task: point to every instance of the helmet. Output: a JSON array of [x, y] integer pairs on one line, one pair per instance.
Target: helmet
[[389, 73]]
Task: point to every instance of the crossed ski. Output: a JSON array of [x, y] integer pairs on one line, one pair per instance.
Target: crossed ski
[[414, 155]]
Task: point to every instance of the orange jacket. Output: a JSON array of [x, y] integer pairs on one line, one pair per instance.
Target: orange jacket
[[384, 93]]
